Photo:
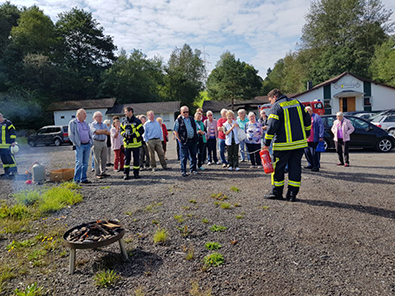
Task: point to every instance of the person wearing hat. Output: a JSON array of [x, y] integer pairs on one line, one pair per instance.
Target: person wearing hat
[[7, 140]]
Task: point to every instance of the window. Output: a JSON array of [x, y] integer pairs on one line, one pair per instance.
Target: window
[[357, 123], [72, 116], [61, 117], [327, 106], [42, 131], [367, 105], [390, 119]]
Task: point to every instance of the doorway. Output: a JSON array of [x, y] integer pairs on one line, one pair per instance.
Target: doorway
[[347, 104]]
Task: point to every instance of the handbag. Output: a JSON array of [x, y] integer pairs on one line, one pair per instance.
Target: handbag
[[320, 147], [241, 135]]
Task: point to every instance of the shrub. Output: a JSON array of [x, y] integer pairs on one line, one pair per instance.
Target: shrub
[[217, 228], [31, 290], [106, 278], [212, 246], [160, 236], [214, 259]]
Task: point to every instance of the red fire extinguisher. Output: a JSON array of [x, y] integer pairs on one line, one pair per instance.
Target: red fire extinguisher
[[266, 161]]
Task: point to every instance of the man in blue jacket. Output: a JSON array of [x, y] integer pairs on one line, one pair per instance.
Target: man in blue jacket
[[316, 135]]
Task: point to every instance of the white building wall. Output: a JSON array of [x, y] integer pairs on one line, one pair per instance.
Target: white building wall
[[347, 82], [64, 117], [382, 97], [317, 94]]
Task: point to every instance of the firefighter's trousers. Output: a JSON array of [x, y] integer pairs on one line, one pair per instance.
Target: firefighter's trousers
[[8, 160]]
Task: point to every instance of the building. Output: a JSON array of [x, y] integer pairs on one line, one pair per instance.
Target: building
[[349, 92], [65, 111]]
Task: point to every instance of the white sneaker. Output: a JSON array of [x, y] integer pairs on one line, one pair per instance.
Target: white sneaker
[[153, 169], [209, 163], [230, 168], [218, 162], [237, 169]]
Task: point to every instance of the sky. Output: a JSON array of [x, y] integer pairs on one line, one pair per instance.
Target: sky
[[258, 32]]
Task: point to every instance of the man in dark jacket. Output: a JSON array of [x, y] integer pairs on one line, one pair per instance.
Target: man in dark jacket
[[132, 131], [316, 136], [290, 124], [186, 133], [7, 139]]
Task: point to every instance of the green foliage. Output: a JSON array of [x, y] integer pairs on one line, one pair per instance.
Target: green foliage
[[179, 218], [57, 198], [234, 189], [160, 236], [383, 64], [205, 221], [6, 273], [193, 201], [214, 259], [183, 230], [212, 246], [265, 207], [217, 228], [31, 290], [189, 253], [232, 79], [225, 205], [239, 216], [16, 212], [106, 278], [220, 196], [19, 245]]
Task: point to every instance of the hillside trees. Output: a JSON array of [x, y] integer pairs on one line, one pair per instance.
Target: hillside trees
[[383, 65], [232, 79]]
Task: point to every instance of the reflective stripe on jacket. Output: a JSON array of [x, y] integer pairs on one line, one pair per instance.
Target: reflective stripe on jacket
[[7, 134], [132, 131]]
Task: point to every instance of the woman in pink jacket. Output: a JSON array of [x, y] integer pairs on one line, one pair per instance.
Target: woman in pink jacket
[[342, 129]]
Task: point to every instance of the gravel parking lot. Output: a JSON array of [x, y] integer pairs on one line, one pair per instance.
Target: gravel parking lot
[[338, 240]]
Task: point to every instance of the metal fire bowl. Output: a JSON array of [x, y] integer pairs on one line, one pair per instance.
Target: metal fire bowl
[[94, 245]]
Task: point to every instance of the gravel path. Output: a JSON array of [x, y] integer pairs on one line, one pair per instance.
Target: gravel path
[[338, 240]]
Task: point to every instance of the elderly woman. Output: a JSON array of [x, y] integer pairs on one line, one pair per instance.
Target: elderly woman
[[232, 142], [165, 135], [212, 134], [254, 133], [241, 121], [202, 140], [117, 144], [342, 129]]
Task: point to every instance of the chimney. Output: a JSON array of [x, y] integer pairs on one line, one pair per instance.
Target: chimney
[[309, 85]]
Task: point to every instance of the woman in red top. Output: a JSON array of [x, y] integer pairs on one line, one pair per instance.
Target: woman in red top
[[165, 135]]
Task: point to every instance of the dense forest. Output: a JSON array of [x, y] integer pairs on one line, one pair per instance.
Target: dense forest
[[72, 59]]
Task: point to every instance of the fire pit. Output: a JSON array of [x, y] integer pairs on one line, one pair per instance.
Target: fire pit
[[93, 235]]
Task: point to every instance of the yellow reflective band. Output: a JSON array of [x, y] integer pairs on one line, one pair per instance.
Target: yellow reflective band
[[289, 103], [269, 137], [279, 184], [3, 135], [293, 183], [274, 116], [6, 166], [274, 169], [307, 128], [136, 167], [290, 144], [302, 121], [137, 134], [13, 136], [2, 146], [126, 166], [11, 126], [287, 125]]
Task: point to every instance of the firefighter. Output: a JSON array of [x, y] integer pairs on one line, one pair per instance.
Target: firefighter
[[132, 131], [289, 126], [7, 139]]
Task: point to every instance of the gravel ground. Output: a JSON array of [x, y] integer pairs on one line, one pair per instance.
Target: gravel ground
[[338, 240]]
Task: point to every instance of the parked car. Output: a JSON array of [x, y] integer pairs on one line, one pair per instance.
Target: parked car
[[362, 114], [386, 122], [366, 134], [51, 134]]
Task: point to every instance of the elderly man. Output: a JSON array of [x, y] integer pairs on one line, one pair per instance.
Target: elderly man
[[99, 133], [132, 131], [316, 135], [81, 137], [186, 133], [7, 139], [221, 137], [153, 136]]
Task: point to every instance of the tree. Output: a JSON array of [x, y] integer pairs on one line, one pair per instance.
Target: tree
[[133, 79], [185, 72], [9, 15], [341, 36], [383, 64], [84, 51], [232, 79]]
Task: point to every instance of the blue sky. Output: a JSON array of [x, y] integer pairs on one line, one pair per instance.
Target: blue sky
[[257, 32]]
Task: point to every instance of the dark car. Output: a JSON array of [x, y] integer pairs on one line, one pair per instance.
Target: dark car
[[51, 134], [366, 135]]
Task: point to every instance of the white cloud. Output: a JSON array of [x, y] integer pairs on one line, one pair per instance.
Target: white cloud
[[258, 32]]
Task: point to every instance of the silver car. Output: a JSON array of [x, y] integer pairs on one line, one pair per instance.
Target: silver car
[[386, 122]]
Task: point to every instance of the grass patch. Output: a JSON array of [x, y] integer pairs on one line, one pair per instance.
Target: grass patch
[[183, 230], [236, 205], [195, 291], [193, 201], [265, 207], [179, 218], [104, 187], [31, 290], [212, 246], [225, 205], [160, 236], [205, 221], [214, 259], [220, 196], [217, 228], [106, 278], [189, 253], [152, 207], [234, 189], [239, 217]]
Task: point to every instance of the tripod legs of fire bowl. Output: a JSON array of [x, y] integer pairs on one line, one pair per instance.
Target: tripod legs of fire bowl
[[123, 250]]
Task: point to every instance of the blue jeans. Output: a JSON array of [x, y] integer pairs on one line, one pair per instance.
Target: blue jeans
[[242, 146], [189, 149], [221, 145], [81, 162]]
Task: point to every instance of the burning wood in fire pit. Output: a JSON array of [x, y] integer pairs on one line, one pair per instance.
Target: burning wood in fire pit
[[94, 232]]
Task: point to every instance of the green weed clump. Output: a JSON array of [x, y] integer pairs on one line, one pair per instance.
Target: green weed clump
[[106, 278], [179, 218], [15, 213], [234, 189], [31, 290], [225, 205], [217, 228], [205, 221], [239, 216], [220, 196], [214, 259], [212, 246], [193, 201], [160, 236]]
